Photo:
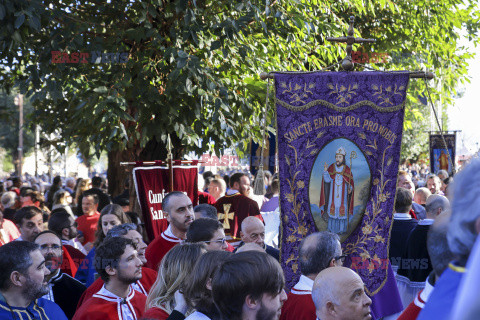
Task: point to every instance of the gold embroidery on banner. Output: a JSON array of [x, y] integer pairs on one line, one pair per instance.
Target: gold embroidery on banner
[[386, 94], [298, 92], [340, 109], [226, 216], [369, 232], [344, 94]]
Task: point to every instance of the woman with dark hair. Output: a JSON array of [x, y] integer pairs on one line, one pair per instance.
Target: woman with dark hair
[[198, 287], [56, 185], [112, 215]]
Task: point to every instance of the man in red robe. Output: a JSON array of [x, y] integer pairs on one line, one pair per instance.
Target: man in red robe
[[317, 252], [236, 205], [118, 264], [127, 231], [337, 193], [178, 210]]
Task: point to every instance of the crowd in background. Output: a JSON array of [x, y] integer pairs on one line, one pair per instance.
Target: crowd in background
[[68, 250]]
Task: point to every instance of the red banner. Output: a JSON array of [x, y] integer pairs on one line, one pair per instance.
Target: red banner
[[151, 185]]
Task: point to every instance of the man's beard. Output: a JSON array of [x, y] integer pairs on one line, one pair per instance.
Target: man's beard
[[34, 290], [266, 314], [182, 226], [71, 234], [127, 279]]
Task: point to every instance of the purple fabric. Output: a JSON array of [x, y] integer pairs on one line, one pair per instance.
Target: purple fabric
[[371, 107], [387, 301], [270, 205]]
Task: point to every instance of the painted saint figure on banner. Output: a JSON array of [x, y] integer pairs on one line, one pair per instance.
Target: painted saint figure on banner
[[337, 193], [443, 160]]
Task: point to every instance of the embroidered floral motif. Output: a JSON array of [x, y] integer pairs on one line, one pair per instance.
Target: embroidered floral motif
[[385, 95], [344, 94], [297, 93]]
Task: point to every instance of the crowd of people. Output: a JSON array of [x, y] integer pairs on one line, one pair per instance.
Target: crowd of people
[[71, 251]]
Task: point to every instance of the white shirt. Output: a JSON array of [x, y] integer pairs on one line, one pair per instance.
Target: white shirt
[[402, 216], [426, 222], [124, 307], [303, 286], [197, 316]]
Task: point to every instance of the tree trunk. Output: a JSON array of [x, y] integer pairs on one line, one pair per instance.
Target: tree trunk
[[117, 174]]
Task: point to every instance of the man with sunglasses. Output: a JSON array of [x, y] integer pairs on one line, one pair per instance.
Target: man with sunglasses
[[208, 231], [63, 289], [317, 252], [64, 225]]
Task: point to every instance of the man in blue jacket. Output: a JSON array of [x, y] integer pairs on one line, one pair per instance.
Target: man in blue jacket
[[22, 283]]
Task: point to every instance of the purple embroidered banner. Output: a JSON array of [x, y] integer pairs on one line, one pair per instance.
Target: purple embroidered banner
[[339, 137]]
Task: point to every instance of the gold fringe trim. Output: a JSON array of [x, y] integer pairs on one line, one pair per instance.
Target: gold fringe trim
[[340, 109]]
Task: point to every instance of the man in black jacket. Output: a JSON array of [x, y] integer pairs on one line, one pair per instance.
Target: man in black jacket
[[403, 224], [63, 289]]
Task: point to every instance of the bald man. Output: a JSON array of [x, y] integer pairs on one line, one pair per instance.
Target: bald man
[[338, 294], [318, 251], [253, 231]]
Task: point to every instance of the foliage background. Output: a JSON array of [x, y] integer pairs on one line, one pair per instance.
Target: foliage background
[[193, 66]]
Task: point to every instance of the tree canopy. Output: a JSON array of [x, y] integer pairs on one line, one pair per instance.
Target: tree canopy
[[117, 75]]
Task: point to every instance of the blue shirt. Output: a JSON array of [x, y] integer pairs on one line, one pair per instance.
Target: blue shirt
[[86, 270], [40, 309], [440, 303]]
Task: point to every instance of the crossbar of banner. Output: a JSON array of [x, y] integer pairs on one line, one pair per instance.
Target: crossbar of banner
[[170, 163], [148, 163], [413, 74]]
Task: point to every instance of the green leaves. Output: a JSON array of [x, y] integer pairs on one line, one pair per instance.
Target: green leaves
[[19, 21], [193, 66], [2, 12]]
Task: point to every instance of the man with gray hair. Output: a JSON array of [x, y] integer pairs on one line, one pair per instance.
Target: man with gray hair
[[10, 204], [339, 294], [317, 252], [462, 232], [70, 185], [416, 265]]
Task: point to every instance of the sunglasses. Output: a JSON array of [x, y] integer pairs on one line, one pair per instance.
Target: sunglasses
[[340, 258]]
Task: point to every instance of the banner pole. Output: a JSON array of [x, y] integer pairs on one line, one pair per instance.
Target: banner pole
[[170, 163]]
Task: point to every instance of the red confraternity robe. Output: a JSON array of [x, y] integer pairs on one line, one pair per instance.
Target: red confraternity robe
[[105, 305], [299, 304], [232, 209], [143, 285], [159, 247]]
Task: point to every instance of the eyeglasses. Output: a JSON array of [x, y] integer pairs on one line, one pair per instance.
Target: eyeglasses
[[222, 241], [54, 247], [340, 258]]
